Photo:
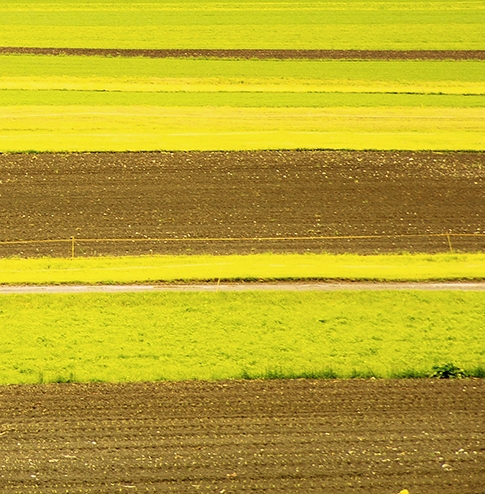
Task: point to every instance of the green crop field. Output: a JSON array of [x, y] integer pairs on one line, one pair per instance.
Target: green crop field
[[409, 24], [149, 269], [152, 336], [102, 73], [84, 104], [74, 103], [74, 80]]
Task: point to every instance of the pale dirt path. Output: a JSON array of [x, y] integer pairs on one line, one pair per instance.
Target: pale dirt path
[[246, 287]]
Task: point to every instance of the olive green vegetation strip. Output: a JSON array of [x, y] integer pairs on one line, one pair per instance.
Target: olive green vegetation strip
[[151, 269], [349, 24], [179, 336]]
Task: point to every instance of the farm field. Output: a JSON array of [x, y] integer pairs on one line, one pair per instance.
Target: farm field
[[185, 74], [137, 128], [187, 269], [72, 103], [288, 201], [244, 24], [224, 335], [267, 436], [287, 140]]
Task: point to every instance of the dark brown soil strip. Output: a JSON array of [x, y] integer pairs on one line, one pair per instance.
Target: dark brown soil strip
[[276, 437], [397, 199], [256, 54]]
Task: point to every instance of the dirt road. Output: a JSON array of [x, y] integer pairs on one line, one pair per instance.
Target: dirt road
[[366, 436], [243, 287]]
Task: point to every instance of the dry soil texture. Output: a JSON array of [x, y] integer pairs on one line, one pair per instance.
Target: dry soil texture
[[402, 198], [256, 54], [230, 437]]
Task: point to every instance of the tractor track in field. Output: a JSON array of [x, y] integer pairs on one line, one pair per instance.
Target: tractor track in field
[[274, 436], [253, 54]]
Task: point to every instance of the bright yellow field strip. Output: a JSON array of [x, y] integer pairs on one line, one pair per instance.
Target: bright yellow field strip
[[210, 84], [257, 266], [80, 128]]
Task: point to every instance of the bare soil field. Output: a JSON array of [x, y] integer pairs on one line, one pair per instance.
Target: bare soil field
[[256, 54], [238, 198], [252, 436]]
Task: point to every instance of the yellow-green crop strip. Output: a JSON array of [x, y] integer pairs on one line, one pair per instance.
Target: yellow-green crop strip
[[177, 336], [152, 269], [86, 104], [347, 24], [76, 104]]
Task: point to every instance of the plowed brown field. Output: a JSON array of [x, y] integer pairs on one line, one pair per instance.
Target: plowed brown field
[[255, 54], [375, 437], [403, 197]]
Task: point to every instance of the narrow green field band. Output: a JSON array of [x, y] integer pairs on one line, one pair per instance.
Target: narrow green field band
[[243, 99], [62, 72], [99, 270]]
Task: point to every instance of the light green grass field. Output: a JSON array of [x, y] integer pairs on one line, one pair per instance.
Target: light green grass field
[[151, 269], [242, 99], [152, 336], [44, 80], [349, 24]]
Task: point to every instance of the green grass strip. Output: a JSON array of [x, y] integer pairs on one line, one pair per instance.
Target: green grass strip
[[237, 99], [67, 69], [150, 269], [179, 336]]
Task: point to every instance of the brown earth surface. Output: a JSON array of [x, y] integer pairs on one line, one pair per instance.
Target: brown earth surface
[[369, 436], [256, 53], [402, 200]]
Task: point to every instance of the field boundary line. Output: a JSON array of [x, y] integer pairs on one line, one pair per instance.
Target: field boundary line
[[75, 241], [241, 239]]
